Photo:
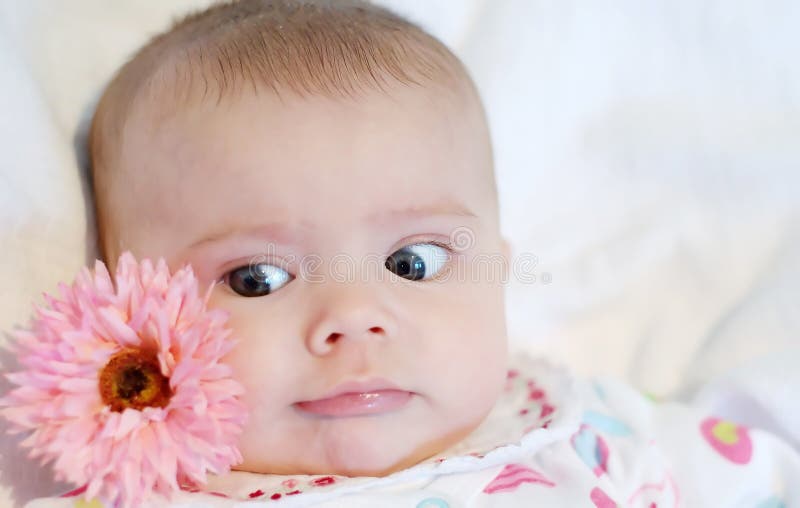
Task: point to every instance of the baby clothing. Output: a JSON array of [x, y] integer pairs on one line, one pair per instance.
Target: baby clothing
[[549, 441]]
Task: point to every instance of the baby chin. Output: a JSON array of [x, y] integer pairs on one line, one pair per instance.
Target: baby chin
[[367, 445]]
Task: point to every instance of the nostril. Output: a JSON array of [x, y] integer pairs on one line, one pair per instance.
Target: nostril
[[333, 338], [376, 329]]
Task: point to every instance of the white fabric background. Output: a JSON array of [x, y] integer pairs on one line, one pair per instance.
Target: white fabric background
[[648, 155]]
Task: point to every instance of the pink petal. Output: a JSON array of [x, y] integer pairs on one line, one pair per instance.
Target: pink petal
[[117, 327], [130, 420], [78, 385], [125, 457]]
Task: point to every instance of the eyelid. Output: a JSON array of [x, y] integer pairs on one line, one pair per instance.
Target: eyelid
[[424, 240], [445, 245]]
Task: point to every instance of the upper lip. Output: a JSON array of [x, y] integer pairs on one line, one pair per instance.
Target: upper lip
[[360, 386]]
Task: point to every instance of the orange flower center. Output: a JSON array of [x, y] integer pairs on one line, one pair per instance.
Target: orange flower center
[[133, 379]]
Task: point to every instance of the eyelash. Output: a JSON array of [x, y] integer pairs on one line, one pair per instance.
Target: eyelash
[[445, 245]]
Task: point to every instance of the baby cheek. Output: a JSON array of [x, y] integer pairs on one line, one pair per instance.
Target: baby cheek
[[469, 349], [483, 350], [262, 358], [469, 317]]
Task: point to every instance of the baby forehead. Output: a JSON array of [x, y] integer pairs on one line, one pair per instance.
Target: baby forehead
[[415, 126], [327, 159], [408, 140]]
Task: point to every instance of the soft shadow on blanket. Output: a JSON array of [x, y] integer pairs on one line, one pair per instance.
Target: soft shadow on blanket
[[26, 478]]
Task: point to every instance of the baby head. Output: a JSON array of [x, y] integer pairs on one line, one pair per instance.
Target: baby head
[[327, 165]]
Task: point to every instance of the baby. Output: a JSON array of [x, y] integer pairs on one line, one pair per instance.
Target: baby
[[328, 165]]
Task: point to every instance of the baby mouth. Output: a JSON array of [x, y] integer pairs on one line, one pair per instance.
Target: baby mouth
[[357, 404], [351, 399]]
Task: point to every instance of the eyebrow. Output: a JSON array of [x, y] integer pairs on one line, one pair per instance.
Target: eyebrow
[[443, 208], [290, 233], [278, 231]]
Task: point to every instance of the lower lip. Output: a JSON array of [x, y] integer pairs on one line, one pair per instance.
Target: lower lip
[[357, 404]]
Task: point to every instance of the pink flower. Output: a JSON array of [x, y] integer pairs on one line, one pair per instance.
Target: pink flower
[[123, 386]]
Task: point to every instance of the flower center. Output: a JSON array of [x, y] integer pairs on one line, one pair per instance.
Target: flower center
[[133, 379]]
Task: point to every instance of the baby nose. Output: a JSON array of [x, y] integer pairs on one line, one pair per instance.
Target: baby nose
[[349, 315]]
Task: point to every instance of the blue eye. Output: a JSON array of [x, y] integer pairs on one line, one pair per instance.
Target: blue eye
[[417, 262], [257, 279]]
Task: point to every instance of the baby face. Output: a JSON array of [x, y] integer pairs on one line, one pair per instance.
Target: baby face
[[344, 238]]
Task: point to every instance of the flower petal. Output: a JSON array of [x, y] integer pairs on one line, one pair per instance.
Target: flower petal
[[124, 458]]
